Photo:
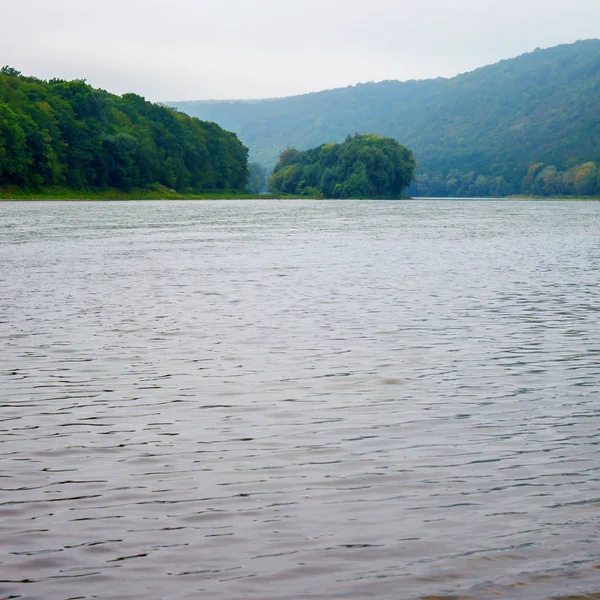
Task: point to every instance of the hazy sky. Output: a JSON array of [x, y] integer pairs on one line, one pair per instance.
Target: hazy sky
[[202, 49]]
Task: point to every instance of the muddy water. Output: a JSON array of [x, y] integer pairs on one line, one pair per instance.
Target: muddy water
[[299, 400]]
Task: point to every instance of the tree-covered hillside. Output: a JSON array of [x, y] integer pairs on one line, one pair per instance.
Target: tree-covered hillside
[[364, 166], [68, 134], [479, 133]]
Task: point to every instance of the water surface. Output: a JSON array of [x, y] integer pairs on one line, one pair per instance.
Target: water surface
[[285, 400]]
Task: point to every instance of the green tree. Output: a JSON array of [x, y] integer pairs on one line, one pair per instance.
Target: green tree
[[548, 182], [364, 166], [586, 179], [68, 133], [9, 71]]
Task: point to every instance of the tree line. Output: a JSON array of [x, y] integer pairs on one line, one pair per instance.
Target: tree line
[[364, 166], [476, 134], [540, 180], [66, 133]]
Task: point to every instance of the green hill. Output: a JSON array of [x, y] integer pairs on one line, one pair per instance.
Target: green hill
[[529, 124], [66, 135]]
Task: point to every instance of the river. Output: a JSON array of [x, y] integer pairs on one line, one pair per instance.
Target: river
[[285, 400]]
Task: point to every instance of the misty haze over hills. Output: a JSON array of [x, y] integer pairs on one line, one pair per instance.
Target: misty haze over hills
[[528, 124]]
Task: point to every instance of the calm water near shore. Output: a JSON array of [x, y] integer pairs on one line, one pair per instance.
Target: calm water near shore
[[285, 400]]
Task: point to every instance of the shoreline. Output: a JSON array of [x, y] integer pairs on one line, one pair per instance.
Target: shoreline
[[115, 195], [62, 194]]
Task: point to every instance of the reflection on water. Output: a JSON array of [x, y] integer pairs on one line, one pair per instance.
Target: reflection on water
[[300, 399]]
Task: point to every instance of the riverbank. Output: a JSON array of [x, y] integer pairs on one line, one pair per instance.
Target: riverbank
[[155, 193], [523, 197], [158, 193], [163, 193]]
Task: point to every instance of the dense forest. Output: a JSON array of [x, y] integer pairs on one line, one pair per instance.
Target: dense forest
[[67, 134], [364, 166], [525, 125]]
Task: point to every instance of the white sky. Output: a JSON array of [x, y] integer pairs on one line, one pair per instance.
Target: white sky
[[203, 49]]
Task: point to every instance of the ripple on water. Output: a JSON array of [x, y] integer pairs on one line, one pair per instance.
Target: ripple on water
[[299, 399]]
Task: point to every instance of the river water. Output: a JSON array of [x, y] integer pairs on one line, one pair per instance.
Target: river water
[[285, 400]]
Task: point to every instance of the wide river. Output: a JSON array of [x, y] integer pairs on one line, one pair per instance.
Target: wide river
[[288, 400]]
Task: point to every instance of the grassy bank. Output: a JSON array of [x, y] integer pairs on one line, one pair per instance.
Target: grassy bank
[[59, 193], [156, 193]]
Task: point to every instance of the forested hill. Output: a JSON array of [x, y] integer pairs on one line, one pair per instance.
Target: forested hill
[[521, 125], [66, 134]]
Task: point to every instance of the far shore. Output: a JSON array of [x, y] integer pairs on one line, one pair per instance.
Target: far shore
[[56, 194]]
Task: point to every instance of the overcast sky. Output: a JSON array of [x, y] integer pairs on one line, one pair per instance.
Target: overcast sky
[[203, 49]]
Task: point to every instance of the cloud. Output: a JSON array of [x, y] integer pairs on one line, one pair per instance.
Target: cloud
[[198, 49]]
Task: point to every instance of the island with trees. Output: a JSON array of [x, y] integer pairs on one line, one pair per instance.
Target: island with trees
[[363, 166]]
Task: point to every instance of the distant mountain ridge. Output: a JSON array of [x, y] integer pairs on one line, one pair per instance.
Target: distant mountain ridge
[[477, 133]]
